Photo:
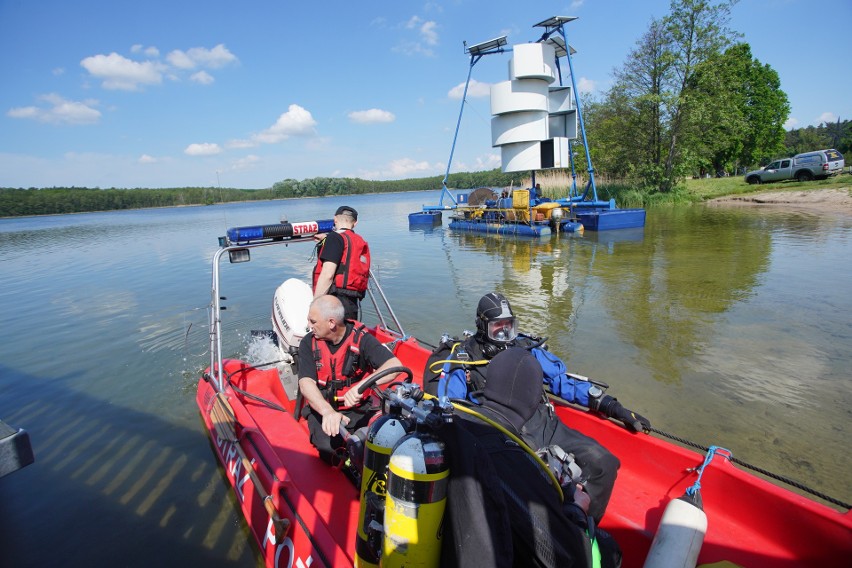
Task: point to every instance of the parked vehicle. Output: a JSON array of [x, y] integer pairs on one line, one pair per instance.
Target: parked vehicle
[[801, 167]]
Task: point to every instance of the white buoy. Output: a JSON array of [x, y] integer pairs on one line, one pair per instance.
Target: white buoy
[[680, 536]]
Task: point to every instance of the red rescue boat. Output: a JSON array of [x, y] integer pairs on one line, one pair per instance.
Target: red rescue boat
[[304, 513]]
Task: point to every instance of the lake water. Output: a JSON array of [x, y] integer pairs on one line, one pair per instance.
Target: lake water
[[725, 326]]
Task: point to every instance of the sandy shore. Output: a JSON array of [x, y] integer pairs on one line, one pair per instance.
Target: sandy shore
[[837, 201]]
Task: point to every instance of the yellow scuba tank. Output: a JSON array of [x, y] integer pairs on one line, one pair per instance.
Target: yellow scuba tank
[[382, 436], [418, 475]]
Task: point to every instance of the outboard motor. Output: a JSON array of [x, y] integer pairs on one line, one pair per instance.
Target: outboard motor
[[290, 314], [290, 307]]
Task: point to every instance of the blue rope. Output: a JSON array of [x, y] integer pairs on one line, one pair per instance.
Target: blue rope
[[711, 452]]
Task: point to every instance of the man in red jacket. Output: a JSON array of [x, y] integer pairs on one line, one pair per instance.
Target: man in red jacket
[[343, 263]]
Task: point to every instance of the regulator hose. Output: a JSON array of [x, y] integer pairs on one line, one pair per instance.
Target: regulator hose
[[457, 361]]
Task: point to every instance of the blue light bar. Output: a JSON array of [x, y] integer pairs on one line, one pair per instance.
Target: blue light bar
[[277, 232]]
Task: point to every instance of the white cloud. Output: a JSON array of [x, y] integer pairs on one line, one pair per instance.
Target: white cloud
[[428, 31], [180, 60], [121, 73], [146, 159], [148, 51], [372, 116], [246, 162], [476, 89], [480, 164], [586, 86], [791, 123], [204, 149], [61, 111], [827, 117], [58, 71], [576, 4], [214, 58], [297, 121], [428, 35], [202, 77], [402, 168], [239, 143]]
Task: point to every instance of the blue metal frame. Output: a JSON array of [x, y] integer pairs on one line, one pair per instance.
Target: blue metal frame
[[550, 29], [474, 59]]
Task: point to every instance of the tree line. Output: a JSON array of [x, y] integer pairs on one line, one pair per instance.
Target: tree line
[[58, 200]]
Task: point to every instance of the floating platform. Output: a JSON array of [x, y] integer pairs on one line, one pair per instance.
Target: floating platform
[[609, 219], [534, 229]]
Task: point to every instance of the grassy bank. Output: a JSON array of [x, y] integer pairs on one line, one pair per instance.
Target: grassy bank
[[720, 187], [557, 184]]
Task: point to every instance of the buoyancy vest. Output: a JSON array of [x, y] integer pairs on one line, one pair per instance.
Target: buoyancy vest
[[353, 271], [336, 372], [462, 373]]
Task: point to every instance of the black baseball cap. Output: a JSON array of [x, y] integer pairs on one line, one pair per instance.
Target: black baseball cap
[[346, 210]]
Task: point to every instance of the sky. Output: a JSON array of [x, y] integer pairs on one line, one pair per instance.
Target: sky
[[156, 93]]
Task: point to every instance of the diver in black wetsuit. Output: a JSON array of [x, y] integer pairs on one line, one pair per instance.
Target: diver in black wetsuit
[[503, 509], [465, 371]]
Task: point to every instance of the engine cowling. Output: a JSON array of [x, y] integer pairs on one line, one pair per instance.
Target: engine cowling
[[290, 313]]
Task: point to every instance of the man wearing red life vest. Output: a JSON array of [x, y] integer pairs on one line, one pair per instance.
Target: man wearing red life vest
[[335, 358], [343, 263]]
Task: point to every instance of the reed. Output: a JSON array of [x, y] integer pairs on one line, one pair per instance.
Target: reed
[[557, 184]]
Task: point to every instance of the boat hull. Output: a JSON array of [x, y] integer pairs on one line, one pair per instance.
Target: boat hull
[[752, 522], [319, 505], [16, 451]]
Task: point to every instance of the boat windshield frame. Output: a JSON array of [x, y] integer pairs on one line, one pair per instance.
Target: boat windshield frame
[[386, 317]]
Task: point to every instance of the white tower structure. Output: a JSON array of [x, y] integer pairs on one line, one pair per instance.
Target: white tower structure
[[533, 118]]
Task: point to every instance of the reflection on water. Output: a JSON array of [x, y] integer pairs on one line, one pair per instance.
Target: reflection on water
[[724, 326], [729, 327], [111, 486]]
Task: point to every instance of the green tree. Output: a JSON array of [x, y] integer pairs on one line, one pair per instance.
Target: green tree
[[742, 111], [653, 123], [805, 139], [697, 32], [835, 132]]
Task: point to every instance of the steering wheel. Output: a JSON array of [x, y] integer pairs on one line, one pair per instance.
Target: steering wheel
[[409, 376]]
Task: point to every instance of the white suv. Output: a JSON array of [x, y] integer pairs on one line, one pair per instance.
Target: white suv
[[801, 167]]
